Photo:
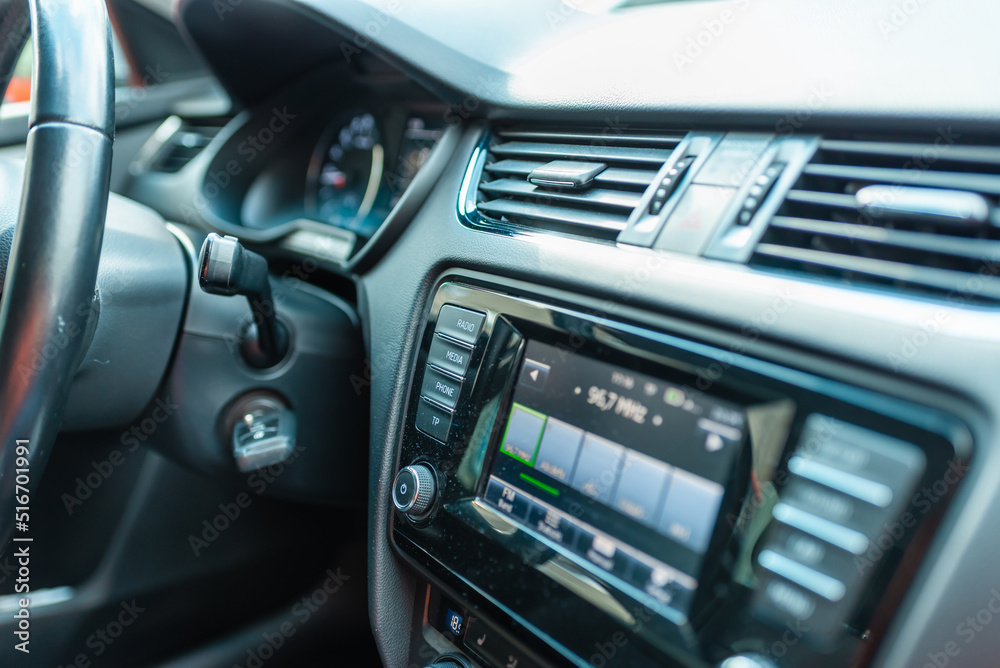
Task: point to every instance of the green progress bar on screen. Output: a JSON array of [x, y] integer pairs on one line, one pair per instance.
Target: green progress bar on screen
[[540, 485]]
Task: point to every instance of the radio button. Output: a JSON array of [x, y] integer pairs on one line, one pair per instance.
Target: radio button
[[433, 420], [459, 323], [441, 388], [449, 355]]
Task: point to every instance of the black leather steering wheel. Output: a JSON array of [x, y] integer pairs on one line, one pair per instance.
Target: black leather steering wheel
[[48, 268]]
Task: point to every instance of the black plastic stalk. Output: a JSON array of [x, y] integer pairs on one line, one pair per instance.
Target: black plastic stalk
[[227, 268]]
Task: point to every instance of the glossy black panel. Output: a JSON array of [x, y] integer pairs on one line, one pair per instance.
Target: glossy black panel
[[566, 604]]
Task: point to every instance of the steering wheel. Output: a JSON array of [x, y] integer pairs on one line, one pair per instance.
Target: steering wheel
[[49, 258]]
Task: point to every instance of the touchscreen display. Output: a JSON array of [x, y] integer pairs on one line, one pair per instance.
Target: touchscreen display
[[620, 468]]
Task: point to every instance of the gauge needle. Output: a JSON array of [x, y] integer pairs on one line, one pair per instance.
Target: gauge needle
[[373, 181]]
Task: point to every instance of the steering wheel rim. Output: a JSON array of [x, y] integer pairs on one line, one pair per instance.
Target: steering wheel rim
[[48, 295]]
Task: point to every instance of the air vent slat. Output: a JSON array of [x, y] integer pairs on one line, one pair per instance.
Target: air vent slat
[[911, 177], [513, 167], [936, 279], [915, 154], [638, 179], [516, 209], [909, 217], [633, 178], [610, 138], [975, 249], [822, 199], [627, 154], [185, 144], [609, 198]]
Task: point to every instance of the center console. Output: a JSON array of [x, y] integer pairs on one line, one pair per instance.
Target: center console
[[582, 489]]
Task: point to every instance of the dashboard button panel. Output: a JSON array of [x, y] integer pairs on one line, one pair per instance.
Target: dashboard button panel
[[450, 352], [847, 487]]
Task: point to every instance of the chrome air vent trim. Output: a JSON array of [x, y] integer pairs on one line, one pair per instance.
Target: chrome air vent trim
[[497, 195]]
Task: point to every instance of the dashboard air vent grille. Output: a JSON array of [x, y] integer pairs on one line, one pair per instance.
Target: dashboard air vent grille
[[186, 143], [914, 217], [600, 209]]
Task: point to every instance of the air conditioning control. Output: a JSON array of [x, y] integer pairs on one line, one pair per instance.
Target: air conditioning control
[[413, 490]]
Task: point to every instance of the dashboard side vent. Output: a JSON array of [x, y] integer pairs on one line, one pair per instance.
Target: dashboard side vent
[[914, 217], [597, 207], [185, 143]]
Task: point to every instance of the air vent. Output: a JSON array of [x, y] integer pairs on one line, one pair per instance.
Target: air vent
[[913, 217], [186, 142], [596, 206]]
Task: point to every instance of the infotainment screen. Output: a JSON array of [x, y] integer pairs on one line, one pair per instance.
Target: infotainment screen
[[622, 469]]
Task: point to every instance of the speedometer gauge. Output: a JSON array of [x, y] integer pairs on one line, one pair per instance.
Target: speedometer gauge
[[345, 172]]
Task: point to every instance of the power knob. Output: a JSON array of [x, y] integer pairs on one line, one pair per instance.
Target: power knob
[[413, 490]]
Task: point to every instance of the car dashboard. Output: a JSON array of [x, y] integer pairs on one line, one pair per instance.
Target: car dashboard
[[671, 362]]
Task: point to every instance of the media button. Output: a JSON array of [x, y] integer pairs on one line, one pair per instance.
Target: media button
[[459, 323], [449, 355], [441, 388]]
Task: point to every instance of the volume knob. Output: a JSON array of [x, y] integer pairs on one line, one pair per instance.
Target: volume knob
[[413, 490]]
